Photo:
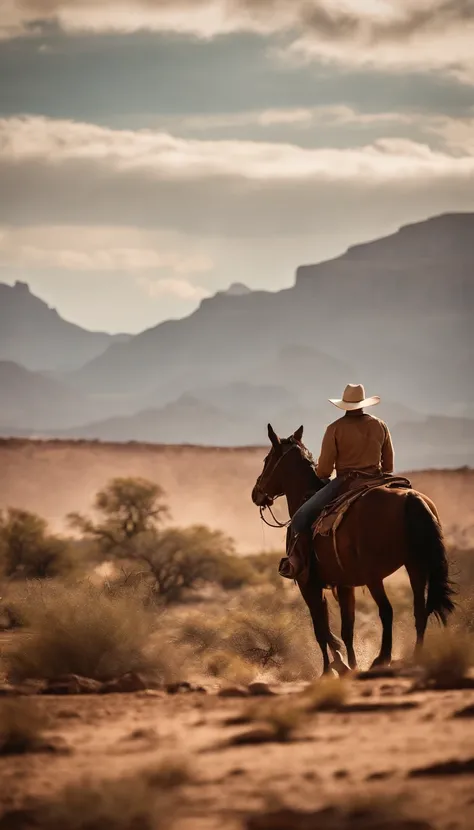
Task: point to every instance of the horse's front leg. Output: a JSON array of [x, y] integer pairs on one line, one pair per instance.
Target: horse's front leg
[[318, 609]]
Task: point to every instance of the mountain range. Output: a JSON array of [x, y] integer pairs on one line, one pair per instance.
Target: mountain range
[[395, 313]]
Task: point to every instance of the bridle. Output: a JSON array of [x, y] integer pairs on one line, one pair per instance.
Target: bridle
[[280, 525], [277, 524]]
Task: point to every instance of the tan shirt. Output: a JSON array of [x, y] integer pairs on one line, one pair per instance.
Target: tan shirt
[[356, 442]]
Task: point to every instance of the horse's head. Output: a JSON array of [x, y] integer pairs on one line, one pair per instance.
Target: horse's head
[[287, 458]]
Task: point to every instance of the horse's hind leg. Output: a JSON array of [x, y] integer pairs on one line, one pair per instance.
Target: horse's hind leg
[[418, 585], [346, 597], [377, 591]]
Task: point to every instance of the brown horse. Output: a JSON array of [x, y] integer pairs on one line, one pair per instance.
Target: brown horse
[[382, 532]]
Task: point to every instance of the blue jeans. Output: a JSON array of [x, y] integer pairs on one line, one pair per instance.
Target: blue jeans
[[307, 514]]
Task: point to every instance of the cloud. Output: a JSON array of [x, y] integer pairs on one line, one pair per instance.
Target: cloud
[[61, 172], [100, 250], [296, 117], [181, 289], [387, 34]]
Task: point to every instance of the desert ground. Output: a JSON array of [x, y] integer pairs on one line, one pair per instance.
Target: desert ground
[[210, 712], [406, 757], [203, 485]]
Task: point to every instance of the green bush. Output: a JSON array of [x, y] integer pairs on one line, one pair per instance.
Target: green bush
[[181, 560], [27, 550], [128, 509]]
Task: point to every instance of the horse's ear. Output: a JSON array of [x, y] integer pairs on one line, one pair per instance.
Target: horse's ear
[[273, 436], [299, 433]]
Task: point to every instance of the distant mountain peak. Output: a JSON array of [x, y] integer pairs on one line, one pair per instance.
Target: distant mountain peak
[[34, 335], [236, 289], [21, 287]]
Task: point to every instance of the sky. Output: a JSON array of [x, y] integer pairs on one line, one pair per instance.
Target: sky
[[152, 152]]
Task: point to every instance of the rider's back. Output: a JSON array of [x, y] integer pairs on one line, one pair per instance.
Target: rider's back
[[356, 442]]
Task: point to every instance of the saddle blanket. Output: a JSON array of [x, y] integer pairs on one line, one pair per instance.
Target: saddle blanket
[[332, 515]]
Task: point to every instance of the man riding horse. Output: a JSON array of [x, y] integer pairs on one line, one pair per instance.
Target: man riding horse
[[356, 445], [378, 523]]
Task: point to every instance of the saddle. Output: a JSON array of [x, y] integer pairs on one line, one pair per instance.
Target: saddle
[[295, 565], [354, 488]]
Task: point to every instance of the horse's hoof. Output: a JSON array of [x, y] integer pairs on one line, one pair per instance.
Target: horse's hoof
[[381, 663], [339, 664]]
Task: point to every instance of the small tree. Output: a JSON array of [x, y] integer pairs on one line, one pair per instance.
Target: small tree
[[182, 559], [129, 508], [26, 548]]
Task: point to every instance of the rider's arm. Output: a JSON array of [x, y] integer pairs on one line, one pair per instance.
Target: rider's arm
[[387, 452], [328, 454]]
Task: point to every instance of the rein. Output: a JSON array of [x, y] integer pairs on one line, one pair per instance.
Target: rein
[[277, 524]]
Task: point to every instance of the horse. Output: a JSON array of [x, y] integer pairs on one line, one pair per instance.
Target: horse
[[383, 531]]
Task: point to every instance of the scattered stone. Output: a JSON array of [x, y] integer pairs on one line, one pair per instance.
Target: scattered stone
[[233, 691], [151, 693], [184, 687], [29, 687], [454, 766], [379, 775], [257, 735], [330, 818], [380, 706], [6, 690], [127, 684], [466, 712], [142, 735], [260, 689], [37, 746], [72, 684]]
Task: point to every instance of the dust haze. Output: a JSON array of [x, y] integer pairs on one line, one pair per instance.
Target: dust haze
[[203, 485]]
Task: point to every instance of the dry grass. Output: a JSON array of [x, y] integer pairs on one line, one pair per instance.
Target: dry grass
[[123, 804], [283, 718], [199, 633], [170, 773], [446, 658], [329, 694], [273, 634], [21, 726], [376, 812], [80, 630]]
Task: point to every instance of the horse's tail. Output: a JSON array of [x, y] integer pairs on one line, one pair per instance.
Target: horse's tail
[[427, 547]]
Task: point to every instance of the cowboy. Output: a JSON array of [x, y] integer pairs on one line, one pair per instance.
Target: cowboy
[[356, 444]]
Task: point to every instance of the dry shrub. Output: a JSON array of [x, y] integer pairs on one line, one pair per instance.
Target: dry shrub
[[282, 717], [199, 633], [80, 630], [446, 658], [273, 634], [21, 726], [227, 666], [169, 773], [329, 694], [123, 804]]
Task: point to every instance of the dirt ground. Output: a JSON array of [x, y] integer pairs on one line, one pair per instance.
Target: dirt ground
[[333, 758]]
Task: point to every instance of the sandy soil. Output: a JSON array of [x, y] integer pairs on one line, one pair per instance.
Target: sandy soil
[[335, 757], [203, 485]]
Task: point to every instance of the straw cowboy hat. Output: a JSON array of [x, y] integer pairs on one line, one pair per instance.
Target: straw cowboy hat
[[354, 398]]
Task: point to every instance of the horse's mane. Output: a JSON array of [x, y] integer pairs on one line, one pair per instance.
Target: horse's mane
[[306, 455]]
